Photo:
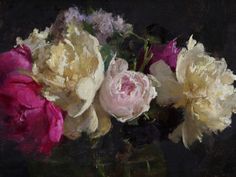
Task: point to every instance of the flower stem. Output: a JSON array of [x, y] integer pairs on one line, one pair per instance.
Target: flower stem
[[137, 36], [147, 56]]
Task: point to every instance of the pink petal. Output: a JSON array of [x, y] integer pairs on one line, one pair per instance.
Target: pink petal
[[56, 122], [15, 59], [22, 88]]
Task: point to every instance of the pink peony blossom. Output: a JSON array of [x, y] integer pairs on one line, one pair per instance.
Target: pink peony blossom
[[125, 94], [15, 59], [168, 53], [26, 117]]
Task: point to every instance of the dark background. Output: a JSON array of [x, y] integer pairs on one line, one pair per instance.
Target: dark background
[[213, 22]]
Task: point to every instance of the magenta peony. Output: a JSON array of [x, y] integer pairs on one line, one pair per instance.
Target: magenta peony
[[168, 53], [125, 94], [15, 59], [26, 117]]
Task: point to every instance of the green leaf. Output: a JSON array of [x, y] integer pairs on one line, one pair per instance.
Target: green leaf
[[88, 27], [107, 55], [153, 39]]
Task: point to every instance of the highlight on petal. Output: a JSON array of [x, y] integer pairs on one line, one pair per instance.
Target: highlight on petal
[[186, 58], [170, 91]]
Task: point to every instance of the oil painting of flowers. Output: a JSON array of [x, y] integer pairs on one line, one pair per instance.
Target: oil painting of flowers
[[117, 88]]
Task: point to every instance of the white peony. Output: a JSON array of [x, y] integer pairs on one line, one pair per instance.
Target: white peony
[[203, 86], [71, 71]]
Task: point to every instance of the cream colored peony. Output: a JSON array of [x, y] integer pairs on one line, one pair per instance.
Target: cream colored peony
[[71, 71], [203, 86]]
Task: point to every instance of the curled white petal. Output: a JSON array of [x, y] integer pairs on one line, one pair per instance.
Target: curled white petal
[[170, 90], [205, 92]]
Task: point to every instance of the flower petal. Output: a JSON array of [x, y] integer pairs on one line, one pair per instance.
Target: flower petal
[[56, 122], [15, 60], [209, 95], [104, 120], [190, 130], [170, 90], [87, 122]]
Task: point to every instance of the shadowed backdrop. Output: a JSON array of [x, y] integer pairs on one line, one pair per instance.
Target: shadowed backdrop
[[211, 22]]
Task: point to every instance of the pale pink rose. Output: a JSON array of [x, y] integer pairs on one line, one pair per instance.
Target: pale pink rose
[[125, 94]]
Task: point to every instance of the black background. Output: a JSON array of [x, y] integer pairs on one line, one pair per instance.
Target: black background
[[213, 22]]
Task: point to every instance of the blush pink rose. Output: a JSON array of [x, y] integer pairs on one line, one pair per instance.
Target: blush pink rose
[[25, 116], [168, 53], [125, 94]]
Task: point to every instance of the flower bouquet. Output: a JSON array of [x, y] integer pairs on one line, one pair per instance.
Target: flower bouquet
[[88, 80]]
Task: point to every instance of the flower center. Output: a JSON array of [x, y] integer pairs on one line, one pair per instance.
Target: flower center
[[127, 86]]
